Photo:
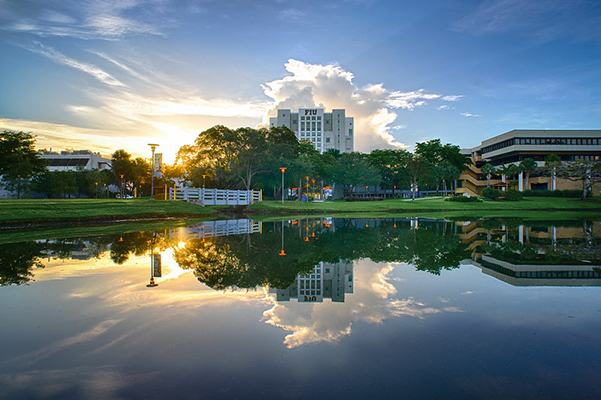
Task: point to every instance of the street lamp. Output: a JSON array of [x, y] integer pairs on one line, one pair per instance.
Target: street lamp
[[121, 191], [153, 146], [283, 169], [96, 183]]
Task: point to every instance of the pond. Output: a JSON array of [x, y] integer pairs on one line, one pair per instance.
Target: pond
[[306, 308]]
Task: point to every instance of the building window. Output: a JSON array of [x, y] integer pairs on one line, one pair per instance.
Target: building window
[[327, 140], [350, 132], [294, 121], [327, 121]]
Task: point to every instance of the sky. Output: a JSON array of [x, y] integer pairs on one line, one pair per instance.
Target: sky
[[119, 74]]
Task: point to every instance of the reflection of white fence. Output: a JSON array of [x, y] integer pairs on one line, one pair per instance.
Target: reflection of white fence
[[216, 197], [216, 228]]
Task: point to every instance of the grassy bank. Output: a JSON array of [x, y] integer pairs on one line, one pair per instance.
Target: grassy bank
[[431, 205], [74, 210], [15, 211]]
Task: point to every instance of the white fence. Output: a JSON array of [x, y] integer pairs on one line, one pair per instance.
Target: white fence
[[216, 197], [216, 228]]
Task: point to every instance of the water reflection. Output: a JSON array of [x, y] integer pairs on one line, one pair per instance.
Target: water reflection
[[311, 259]]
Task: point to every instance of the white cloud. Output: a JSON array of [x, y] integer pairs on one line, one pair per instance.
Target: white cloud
[[329, 86], [467, 114]]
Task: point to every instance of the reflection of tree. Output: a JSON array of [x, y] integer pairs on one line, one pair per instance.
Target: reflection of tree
[[248, 261], [137, 243], [16, 262]]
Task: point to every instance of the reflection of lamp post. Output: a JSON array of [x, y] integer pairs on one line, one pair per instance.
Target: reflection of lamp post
[[283, 169], [152, 283], [282, 253], [152, 147]]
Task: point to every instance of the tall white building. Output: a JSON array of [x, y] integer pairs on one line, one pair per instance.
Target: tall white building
[[325, 130]]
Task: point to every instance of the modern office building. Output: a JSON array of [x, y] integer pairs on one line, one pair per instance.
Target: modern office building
[[325, 130], [514, 146], [74, 160]]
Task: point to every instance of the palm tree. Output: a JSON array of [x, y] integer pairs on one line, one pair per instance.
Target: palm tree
[[528, 165], [489, 170], [509, 170], [552, 162]]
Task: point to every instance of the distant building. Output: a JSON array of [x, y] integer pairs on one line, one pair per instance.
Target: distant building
[[325, 130], [75, 160], [514, 146]]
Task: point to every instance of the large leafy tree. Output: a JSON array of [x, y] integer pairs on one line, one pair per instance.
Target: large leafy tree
[[390, 164], [419, 171], [442, 157], [352, 170], [234, 158], [19, 161]]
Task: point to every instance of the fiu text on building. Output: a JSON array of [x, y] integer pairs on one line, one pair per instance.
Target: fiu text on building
[[325, 130]]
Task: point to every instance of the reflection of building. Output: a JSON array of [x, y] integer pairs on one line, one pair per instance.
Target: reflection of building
[[514, 146], [74, 160], [539, 275], [536, 255], [326, 280], [333, 130]]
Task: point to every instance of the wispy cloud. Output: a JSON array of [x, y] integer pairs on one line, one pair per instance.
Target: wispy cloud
[[89, 69], [467, 114], [543, 19]]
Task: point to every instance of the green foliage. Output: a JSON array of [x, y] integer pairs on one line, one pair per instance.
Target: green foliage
[[463, 199], [491, 194], [352, 170], [513, 195], [19, 161], [553, 193]]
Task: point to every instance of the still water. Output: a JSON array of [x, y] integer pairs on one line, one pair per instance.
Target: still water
[[311, 308]]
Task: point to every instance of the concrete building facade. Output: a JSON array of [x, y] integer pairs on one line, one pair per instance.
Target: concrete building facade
[[514, 146], [325, 130], [75, 160]]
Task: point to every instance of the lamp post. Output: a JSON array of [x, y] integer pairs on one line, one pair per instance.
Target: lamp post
[[121, 188], [307, 178], [153, 146], [283, 169], [96, 183]]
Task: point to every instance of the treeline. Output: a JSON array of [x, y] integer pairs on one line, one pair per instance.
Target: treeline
[[247, 158]]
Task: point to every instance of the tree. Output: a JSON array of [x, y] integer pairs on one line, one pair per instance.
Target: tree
[[390, 164], [528, 165], [509, 170], [588, 172], [551, 163], [19, 161], [489, 170], [418, 171], [353, 169]]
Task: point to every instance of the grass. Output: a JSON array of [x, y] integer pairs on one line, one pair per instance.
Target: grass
[[92, 210], [429, 205], [14, 211]]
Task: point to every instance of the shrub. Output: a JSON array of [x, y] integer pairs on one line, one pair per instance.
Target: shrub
[[513, 195], [491, 194], [463, 199], [576, 194]]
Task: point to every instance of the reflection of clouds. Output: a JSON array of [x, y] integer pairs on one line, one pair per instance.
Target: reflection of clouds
[[90, 383], [371, 302]]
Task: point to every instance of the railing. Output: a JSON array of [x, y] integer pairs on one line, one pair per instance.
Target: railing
[[216, 228], [216, 197]]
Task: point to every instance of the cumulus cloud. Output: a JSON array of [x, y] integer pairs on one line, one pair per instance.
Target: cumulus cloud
[[331, 87]]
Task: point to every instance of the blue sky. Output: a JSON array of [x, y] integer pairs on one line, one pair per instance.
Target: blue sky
[[110, 74]]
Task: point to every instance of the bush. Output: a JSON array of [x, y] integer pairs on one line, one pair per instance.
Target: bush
[[491, 194], [576, 194], [513, 195], [463, 199]]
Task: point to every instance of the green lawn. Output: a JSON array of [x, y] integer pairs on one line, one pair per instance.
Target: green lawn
[[433, 204], [78, 209]]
